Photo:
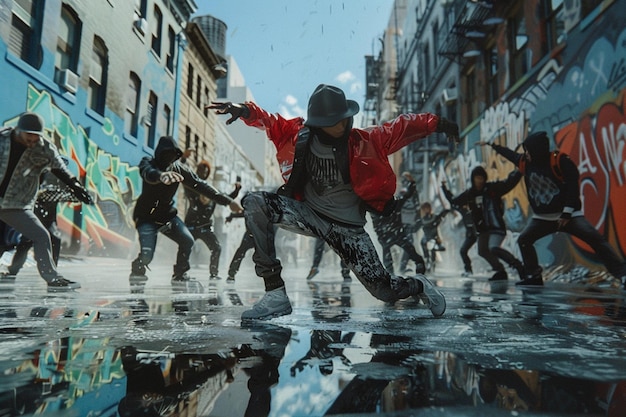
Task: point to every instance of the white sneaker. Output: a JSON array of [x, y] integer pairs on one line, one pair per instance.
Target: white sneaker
[[274, 303], [431, 296]]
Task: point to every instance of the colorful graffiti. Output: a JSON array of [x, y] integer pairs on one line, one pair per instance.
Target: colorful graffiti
[[580, 100], [105, 228]]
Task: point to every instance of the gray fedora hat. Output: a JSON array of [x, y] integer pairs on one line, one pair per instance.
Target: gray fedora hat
[[328, 106], [31, 123]]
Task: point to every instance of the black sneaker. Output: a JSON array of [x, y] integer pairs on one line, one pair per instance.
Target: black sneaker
[[178, 278], [499, 276], [230, 279], [215, 277], [420, 268], [61, 284], [535, 280]]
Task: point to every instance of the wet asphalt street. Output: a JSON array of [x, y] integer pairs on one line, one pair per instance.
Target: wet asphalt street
[[110, 349]]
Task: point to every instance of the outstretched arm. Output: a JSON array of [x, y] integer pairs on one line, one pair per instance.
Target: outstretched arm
[[509, 154], [72, 182], [233, 109]]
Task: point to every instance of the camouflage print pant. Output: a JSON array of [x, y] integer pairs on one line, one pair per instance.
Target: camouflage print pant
[[263, 210]]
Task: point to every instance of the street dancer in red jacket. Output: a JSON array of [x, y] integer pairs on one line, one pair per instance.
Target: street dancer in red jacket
[[333, 174]]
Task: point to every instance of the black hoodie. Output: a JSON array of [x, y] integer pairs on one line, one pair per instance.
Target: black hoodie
[[486, 205], [156, 202], [546, 193]]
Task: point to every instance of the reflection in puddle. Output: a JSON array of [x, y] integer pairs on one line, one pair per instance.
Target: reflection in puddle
[[181, 353], [284, 371]]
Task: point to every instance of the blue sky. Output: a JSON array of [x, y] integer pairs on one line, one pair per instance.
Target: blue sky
[[285, 48]]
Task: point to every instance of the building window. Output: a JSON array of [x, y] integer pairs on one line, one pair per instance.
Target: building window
[[131, 120], [141, 7], [167, 115], [68, 40], [206, 101], [555, 24], [151, 119], [199, 91], [25, 34], [187, 137], [156, 34], [518, 41], [491, 65], [471, 100], [196, 140], [98, 76], [171, 41], [190, 81], [222, 87], [435, 44]]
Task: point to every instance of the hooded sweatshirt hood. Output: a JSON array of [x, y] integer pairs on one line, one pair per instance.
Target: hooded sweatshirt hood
[[166, 152], [538, 146], [478, 171]]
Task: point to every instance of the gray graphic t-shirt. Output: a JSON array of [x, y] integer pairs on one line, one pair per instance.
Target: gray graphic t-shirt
[[325, 192]]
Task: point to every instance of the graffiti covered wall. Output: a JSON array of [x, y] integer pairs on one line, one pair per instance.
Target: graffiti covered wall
[[579, 98], [105, 228]]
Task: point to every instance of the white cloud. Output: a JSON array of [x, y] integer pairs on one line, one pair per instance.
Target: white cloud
[[290, 112], [289, 108], [345, 77], [356, 87], [291, 100]]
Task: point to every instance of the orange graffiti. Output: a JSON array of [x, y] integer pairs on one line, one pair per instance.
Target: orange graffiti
[[597, 144]]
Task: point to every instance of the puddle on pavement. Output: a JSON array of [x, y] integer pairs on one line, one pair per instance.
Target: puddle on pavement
[[182, 354], [282, 371]]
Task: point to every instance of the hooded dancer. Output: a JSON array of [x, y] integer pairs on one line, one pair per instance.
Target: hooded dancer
[[554, 194], [155, 211], [199, 218], [470, 231], [484, 200], [390, 231], [334, 172]]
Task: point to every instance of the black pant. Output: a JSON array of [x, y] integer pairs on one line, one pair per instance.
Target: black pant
[[470, 239], [401, 239], [489, 248], [577, 226], [247, 243], [205, 234]]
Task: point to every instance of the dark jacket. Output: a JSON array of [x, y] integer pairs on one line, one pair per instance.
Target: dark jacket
[[486, 205], [431, 222], [200, 213], [156, 202], [391, 226], [466, 214], [546, 193]]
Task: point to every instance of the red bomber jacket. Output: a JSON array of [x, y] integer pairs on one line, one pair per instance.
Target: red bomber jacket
[[372, 178]]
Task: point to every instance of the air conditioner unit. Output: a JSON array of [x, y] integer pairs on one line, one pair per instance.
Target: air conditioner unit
[[141, 25], [449, 95], [68, 80]]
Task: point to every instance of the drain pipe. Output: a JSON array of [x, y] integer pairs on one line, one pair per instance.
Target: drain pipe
[[182, 45]]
